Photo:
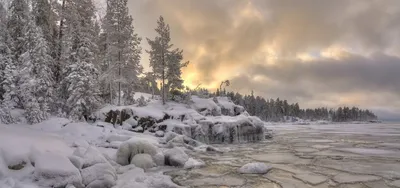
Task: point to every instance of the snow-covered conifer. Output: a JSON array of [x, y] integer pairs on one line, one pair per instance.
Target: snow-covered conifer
[[35, 78], [7, 69], [79, 84], [17, 26], [122, 49]]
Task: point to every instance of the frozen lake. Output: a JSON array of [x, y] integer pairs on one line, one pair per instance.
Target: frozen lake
[[341, 155]]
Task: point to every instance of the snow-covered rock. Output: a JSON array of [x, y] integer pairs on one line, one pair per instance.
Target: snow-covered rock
[[144, 161], [99, 175], [175, 157], [124, 169], [159, 159], [228, 108], [159, 134], [80, 151], [169, 136], [93, 156], [206, 107], [137, 178], [130, 148], [80, 143], [117, 137], [193, 163], [227, 129], [76, 161], [254, 168], [56, 170], [132, 122]]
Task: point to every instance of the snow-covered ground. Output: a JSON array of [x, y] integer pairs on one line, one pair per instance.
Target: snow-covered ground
[[57, 153], [61, 153]]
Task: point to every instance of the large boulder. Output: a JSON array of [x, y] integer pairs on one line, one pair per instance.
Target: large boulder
[[193, 163], [230, 129], [175, 157], [254, 168], [159, 159], [143, 161], [146, 123], [118, 117], [54, 170], [92, 156], [100, 175], [128, 149]]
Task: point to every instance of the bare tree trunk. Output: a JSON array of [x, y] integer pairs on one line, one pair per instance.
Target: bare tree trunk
[[163, 77], [119, 63], [111, 96], [119, 82]]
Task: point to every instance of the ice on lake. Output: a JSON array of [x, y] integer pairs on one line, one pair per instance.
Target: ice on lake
[[332, 155]]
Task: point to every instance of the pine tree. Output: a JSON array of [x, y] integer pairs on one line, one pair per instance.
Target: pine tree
[[79, 84], [17, 26], [35, 85], [45, 19], [7, 69], [174, 70], [165, 62], [122, 49], [5, 52]]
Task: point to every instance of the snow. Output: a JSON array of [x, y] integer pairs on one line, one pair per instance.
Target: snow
[[159, 159], [193, 163], [175, 157], [58, 152], [205, 106], [25, 141], [254, 168], [137, 178], [144, 161], [177, 127], [159, 134], [92, 156], [76, 161], [130, 148], [99, 174], [146, 96], [56, 170], [12, 183]]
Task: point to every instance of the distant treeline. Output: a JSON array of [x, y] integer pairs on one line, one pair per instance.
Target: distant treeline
[[277, 109]]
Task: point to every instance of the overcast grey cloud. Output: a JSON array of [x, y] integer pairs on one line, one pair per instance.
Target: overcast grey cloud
[[315, 52]]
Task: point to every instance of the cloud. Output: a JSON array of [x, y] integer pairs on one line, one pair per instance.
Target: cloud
[[350, 48], [355, 80]]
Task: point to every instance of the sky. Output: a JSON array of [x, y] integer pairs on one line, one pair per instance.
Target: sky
[[320, 53]]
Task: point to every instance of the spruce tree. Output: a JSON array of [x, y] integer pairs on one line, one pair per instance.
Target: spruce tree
[[7, 70], [35, 79], [17, 26], [121, 62], [79, 84]]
